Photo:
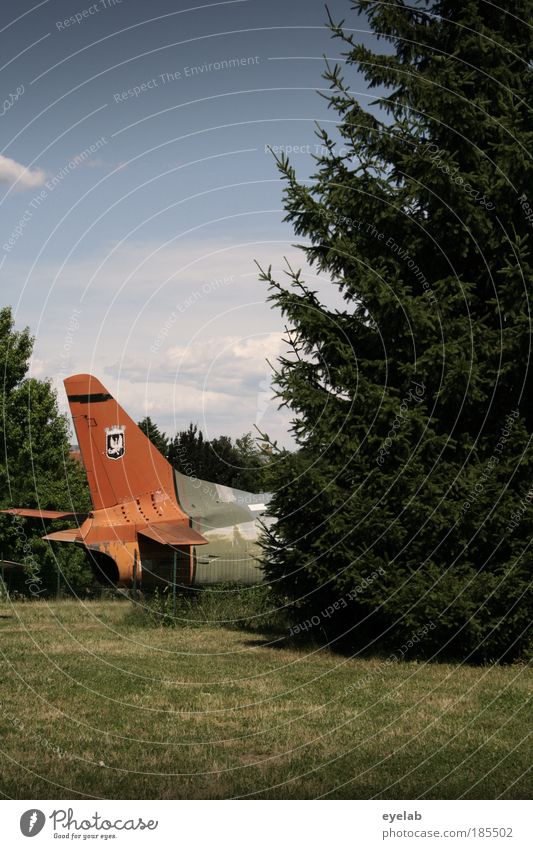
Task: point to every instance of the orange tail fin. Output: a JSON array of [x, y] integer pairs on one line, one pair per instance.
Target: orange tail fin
[[120, 461]]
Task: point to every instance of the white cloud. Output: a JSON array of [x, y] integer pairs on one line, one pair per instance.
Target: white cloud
[[221, 382], [181, 332], [16, 174], [225, 360], [37, 367]]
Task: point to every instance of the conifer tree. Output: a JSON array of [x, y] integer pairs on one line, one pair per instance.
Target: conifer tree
[[156, 437], [238, 464], [408, 504]]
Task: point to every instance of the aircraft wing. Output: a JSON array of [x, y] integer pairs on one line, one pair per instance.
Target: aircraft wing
[[44, 514], [172, 533]]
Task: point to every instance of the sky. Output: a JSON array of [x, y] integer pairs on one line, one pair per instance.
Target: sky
[[137, 193]]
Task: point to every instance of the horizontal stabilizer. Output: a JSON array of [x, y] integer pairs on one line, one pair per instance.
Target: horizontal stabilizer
[[10, 564], [70, 535], [172, 533], [44, 514]]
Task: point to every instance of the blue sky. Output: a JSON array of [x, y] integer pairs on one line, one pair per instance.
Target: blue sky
[[136, 192]]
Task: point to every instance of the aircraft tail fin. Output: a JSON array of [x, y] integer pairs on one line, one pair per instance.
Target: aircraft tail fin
[[120, 461]]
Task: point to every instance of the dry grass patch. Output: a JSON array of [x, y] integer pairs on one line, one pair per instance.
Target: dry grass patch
[[218, 713]]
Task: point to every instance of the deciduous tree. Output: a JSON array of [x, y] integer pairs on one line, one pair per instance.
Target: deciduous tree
[[36, 469]]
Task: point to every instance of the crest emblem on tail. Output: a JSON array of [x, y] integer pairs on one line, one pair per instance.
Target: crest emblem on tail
[[115, 442]]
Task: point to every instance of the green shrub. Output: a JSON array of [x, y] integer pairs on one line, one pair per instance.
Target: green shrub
[[220, 606]]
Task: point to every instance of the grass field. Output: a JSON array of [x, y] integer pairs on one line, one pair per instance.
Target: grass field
[[94, 705]]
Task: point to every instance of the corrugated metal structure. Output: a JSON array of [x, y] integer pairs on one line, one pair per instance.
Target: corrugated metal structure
[[230, 520]]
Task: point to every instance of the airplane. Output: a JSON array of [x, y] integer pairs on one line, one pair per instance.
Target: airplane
[[151, 525]]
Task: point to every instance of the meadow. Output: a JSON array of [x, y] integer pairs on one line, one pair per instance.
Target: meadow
[[94, 704]]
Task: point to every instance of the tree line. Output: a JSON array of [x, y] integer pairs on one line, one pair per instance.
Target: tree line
[[239, 463]]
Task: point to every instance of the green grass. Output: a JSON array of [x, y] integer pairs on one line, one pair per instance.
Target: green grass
[[93, 704]]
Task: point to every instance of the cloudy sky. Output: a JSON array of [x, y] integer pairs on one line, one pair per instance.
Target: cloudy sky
[[137, 191]]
